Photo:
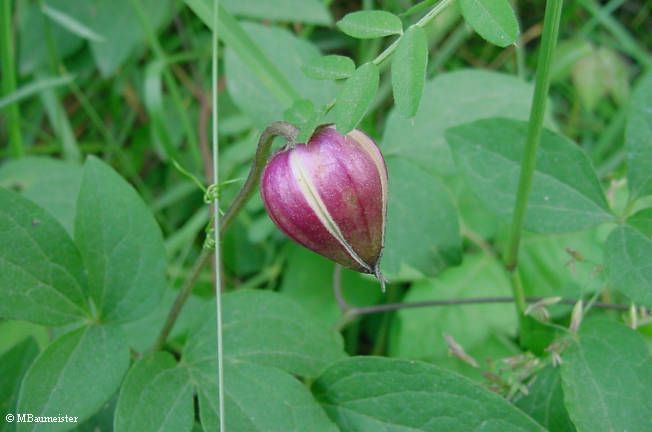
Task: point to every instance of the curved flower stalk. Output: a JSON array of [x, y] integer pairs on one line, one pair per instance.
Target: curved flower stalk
[[330, 196]]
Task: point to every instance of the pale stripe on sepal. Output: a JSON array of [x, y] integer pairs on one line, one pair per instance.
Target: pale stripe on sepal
[[315, 202]]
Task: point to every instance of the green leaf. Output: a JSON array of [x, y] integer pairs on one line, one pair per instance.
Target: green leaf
[[545, 401], [548, 269], [120, 243], [566, 195], [13, 365], [370, 24], [142, 333], [642, 221], [31, 34], [41, 275], [329, 67], [494, 20], [308, 280], [75, 375], [251, 57], [15, 331], [100, 17], [355, 96], [259, 398], [448, 100], [308, 11], [425, 236], [50, 183], [71, 24], [300, 112], [374, 393], [606, 375], [253, 93], [638, 139], [409, 70], [479, 275], [268, 329], [102, 420], [628, 263], [156, 396]]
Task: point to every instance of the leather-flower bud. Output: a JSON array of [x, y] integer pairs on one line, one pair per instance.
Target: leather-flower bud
[[330, 196]]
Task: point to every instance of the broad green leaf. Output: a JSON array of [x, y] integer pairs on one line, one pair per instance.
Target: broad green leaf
[[308, 280], [329, 67], [41, 274], [120, 243], [355, 96], [258, 398], [100, 17], [374, 393], [71, 24], [142, 333], [426, 236], [156, 396], [32, 52], [474, 215], [642, 221], [300, 112], [102, 420], [13, 365], [548, 268], [545, 401], [566, 195], [268, 329], [253, 93], [32, 88], [494, 20], [75, 375], [308, 11], [638, 139], [409, 70], [15, 331], [370, 24], [448, 100], [606, 375], [50, 183], [270, 73], [479, 275], [628, 260]]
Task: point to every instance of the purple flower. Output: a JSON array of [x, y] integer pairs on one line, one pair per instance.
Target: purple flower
[[330, 196]]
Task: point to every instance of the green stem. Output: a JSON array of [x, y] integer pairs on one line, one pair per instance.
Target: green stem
[[439, 8], [287, 131], [9, 77], [548, 41]]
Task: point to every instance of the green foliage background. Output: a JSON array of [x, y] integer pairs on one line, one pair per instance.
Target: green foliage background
[[104, 130]]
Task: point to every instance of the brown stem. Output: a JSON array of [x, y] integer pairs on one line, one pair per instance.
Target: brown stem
[[287, 131]]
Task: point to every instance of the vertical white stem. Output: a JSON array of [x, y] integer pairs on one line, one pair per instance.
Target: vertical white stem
[[216, 218]]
